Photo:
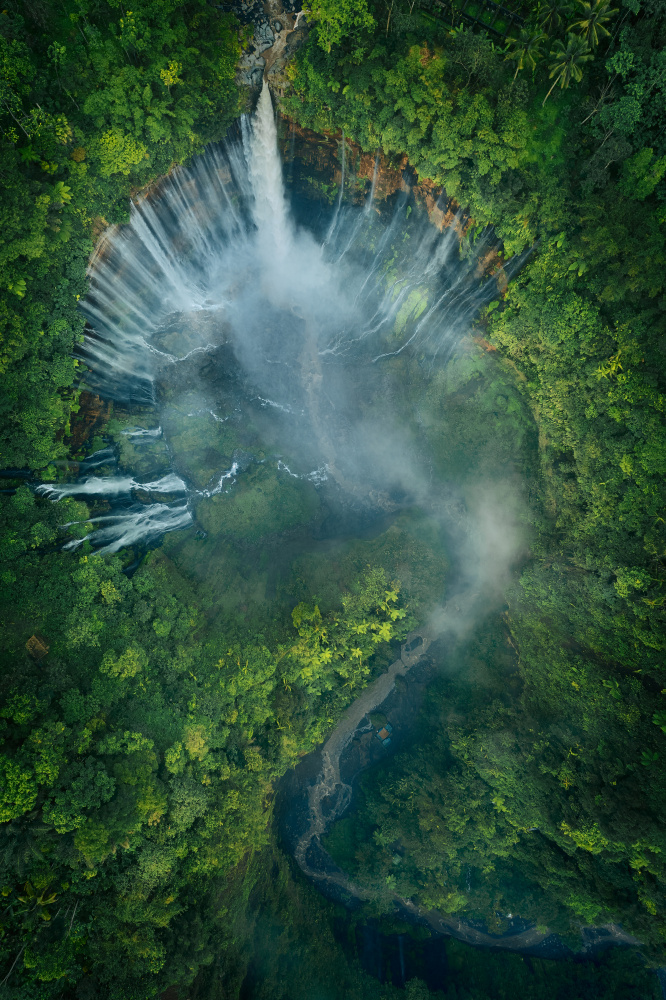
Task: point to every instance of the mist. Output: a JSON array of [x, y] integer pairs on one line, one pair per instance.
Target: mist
[[211, 309]]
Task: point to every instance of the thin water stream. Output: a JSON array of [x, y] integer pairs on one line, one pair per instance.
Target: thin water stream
[[329, 797]]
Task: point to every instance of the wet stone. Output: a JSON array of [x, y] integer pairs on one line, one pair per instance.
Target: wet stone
[[263, 34]]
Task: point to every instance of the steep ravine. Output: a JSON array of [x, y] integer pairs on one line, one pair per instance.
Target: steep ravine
[[314, 799]]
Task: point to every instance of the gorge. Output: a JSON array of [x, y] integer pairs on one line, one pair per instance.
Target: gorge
[[328, 414]]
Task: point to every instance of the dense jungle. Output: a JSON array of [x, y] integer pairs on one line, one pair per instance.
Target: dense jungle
[[488, 472]]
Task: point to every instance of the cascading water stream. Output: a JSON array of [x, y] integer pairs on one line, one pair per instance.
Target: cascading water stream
[[269, 209]]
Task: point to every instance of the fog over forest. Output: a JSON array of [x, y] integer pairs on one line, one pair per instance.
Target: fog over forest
[[333, 453]]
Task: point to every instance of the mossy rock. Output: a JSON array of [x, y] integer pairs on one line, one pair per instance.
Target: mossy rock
[[476, 421], [140, 456], [202, 447], [264, 501]]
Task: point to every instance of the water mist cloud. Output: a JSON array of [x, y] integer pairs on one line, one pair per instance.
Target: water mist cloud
[[212, 301]]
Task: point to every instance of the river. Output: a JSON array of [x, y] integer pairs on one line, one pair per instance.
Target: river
[[315, 796]]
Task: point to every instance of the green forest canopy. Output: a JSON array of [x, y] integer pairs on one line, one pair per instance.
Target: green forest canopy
[[138, 758]]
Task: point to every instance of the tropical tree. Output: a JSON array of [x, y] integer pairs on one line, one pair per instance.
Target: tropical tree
[[338, 20], [554, 14], [568, 63], [592, 22], [525, 50]]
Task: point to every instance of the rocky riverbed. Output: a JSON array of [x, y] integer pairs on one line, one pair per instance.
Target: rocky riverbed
[[279, 28]]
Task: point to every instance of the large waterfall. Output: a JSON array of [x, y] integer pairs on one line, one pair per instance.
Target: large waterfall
[[269, 209], [211, 312]]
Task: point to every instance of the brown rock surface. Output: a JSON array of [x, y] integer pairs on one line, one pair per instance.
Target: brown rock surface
[[92, 414]]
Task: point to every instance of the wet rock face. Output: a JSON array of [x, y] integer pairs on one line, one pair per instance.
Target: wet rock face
[[263, 36], [290, 36], [91, 416], [251, 70], [278, 31], [247, 11]]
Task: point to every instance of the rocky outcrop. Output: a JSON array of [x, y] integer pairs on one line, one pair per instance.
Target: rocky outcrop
[[89, 417], [256, 11], [279, 28], [287, 41], [253, 63]]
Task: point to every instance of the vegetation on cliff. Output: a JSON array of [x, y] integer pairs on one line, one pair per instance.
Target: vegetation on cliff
[[138, 755], [95, 101]]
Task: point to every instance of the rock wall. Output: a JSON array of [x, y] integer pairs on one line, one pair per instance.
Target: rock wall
[[279, 27]]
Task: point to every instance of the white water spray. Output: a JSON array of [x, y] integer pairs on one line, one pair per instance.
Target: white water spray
[[212, 262], [105, 486], [270, 208], [113, 532]]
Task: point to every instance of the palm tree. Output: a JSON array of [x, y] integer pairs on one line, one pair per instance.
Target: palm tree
[[568, 62], [525, 50], [593, 17], [555, 13]]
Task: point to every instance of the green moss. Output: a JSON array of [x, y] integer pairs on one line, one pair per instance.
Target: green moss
[[476, 421], [138, 456], [202, 446], [411, 550], [264, 501], [411, 309]]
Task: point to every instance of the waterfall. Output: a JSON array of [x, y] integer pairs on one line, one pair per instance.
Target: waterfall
[[211, 301], [106, 486], [373, 186], [147, 523], [201, 247], [334, 221], [137, 512], [269, 210]]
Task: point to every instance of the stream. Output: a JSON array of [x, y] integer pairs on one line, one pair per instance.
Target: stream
[[316, 795]]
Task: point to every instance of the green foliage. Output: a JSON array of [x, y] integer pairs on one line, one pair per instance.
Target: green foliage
[[641, 173], [568, 63], [554, 14], [525, 50], [95, 103], [449, 107], [137, 755], [537, 785], [289, 943], [339, 21], [507, 803], [593, 19], [339, 648], [265, 501]]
